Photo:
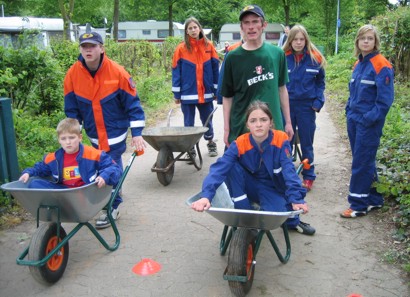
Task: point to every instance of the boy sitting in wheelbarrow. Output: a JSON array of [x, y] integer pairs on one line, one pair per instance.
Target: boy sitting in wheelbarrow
[[258, 168], [74, 164]]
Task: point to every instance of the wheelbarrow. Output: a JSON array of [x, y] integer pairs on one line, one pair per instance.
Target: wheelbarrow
[[243, 233], [48, 251], [167, 140]]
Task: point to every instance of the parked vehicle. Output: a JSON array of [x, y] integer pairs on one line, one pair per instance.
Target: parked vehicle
[[232, 33], [151, 30]]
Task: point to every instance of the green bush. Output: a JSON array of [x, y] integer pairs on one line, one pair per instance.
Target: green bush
[[32, 78], [35, 136]]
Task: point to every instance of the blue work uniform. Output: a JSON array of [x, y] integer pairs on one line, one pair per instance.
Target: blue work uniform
[[306, 88], [371, 95], [265, 174], [195, 74], [91, 163]]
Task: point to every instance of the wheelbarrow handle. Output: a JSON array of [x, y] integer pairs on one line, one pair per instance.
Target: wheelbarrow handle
[[210, 116]]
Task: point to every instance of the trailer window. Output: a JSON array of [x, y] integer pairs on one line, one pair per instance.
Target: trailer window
[[272, 35], [146, 32], [122, 34], [236, 36], [163, 33]]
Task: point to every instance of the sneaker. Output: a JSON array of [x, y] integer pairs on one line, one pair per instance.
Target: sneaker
[[350, 213], [307, 184], [373, 207], [104, 222], [193, 153], [304, 228], [212, 150]]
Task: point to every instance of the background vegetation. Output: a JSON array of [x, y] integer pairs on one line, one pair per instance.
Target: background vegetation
[[32, 78]]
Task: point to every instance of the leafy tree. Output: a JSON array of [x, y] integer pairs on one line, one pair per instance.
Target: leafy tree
[[67, 13]]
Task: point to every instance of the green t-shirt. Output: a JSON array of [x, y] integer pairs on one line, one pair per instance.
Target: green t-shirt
[[254, 75]]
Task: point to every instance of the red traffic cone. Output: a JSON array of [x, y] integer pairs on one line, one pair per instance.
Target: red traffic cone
[[355, 295], [146, 267]]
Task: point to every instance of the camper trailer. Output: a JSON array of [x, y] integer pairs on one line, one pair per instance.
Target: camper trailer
[[151, 30], [232, 33], [11, 27]]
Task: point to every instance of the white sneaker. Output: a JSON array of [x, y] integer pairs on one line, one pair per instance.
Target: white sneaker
[[104, 222]]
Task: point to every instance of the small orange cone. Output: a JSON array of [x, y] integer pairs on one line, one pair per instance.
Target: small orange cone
[[355, 295], [146, 267]]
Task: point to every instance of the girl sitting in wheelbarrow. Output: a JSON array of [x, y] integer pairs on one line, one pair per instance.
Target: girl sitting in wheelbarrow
[[258, 168], [74, 164]]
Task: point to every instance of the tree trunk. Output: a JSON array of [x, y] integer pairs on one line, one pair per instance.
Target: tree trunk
[[170, 22], [67, 15], [116, 19]]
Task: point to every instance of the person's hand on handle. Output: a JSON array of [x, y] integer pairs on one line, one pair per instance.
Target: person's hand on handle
[[303, 207], [24, 177], [201, 204], [138, 143]]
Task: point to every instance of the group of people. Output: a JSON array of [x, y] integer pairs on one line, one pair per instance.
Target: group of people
[[268, 93]]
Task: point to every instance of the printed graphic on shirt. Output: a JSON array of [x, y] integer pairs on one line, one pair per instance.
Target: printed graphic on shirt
[[71, 172], [260, 76]]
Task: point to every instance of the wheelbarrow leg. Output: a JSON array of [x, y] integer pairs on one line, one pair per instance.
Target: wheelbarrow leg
[[197, 166]]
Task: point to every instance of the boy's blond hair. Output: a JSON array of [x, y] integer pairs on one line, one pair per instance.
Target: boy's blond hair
[[68, 125]]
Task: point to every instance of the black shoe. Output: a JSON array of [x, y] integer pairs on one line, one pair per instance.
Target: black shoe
[[304, 228]]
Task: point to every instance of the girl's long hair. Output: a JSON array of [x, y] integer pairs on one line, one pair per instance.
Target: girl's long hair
[[201, 34], [312, 50], [363, 30]]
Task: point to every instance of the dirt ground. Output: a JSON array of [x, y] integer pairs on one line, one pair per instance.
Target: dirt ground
[[342, 258]]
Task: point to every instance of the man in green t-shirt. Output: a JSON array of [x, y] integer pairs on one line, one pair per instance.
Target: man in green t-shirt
[[254, 71]]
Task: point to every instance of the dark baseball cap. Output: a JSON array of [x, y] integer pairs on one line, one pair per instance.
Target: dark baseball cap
[[92, 37], [251, 9]]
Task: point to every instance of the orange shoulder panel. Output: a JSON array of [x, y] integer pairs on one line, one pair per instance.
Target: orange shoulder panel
[[278, 138], [235, 45], [354, 66], [91, 153], [244, 143], [49, 158], [379, 62], [318, 56], [178, 53]]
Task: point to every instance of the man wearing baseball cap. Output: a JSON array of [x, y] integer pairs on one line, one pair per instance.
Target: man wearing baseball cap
[[102, 96], [257, 70]]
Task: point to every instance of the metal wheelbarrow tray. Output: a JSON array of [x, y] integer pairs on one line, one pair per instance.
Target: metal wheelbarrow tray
[[167, 140], [243, 233], [47, 254], [77, 205]]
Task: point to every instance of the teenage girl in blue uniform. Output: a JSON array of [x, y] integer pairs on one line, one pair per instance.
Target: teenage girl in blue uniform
[[260, 169], [306, 88], [371, 95]]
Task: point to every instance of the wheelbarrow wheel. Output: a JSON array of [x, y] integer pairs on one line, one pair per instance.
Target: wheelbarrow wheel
[[164, 158], [240, 260], [42, 243]]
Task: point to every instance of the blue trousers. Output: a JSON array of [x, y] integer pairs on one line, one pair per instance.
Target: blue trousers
[[245, 189], [45, 184], [364, 142], [115, 153], [205, 110], [304, 119]]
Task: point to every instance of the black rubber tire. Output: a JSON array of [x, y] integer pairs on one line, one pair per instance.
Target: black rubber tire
[[43, 239], [240, 260], [164, 158]]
